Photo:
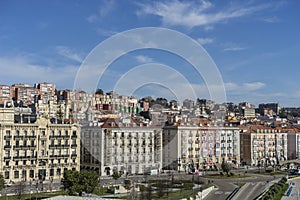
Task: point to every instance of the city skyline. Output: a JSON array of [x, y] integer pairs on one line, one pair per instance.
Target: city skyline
[[253, 44]]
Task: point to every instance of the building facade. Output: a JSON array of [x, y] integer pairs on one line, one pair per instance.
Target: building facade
[[38, 149], [188, 146], [263, 146], [120, 145]]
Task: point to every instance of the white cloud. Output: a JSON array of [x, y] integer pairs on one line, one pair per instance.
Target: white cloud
[[253, 86], [19, 69], [66, 52], [244, 87], [105, 8], [204, 41], [234, 49], [192, 14], [143, 59], [273, 19]]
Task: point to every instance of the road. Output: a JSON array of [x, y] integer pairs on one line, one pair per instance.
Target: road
[[255, 185], [295, 193]]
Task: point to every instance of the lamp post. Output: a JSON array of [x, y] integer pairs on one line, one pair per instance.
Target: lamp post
[[179, 164]]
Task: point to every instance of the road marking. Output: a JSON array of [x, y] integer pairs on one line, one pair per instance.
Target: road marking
[[219, 192]]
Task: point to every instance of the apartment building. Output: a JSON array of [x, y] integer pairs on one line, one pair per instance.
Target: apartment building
[[121, 145], [293, 138], [263, 145], [198, 144], [36, 149], [5, 93], [25, 93]]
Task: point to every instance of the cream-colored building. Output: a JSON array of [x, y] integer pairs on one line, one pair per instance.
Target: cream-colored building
[[198, 144], [263, 145], [36, 149], [120, 145]]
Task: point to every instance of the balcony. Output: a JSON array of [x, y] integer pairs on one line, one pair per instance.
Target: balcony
[[7, 157], [7, 137], [190, 156], [18, 137], [7, 146], [30, 136]]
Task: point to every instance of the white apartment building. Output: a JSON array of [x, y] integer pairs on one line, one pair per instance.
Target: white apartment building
[[120, 145], [199, 145], [264, 145]]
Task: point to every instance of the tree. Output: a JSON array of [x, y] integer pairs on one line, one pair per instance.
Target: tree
[[71, 182], [79, 182], [19, 189], [89, 180], [99, 91], [225, 167], [2, 182], [127, 184]]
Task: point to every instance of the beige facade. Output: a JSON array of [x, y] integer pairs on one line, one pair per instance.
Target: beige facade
[[263, 146], [120, 145], [187, 147], [39, 150]]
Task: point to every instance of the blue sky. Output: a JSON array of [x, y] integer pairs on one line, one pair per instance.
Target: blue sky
[[254, 44]]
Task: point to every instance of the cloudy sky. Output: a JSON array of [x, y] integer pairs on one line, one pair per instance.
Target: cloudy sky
[[255, 45]]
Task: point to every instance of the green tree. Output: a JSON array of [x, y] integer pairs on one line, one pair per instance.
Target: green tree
[[99, 91], [127, 184], [79, 182], [2, 182], [225, 167], [88, 180], [71, 182]]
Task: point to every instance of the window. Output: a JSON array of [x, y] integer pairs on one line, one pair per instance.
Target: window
[[32, 133], [23, 173], [8, 133], [25, 133], [31, 173], [51, 152], [43, 133], [17, 132], [51, 172], [73, 151], [58, 172], [16, 174], [42, 142], [24, 162], [7, 163], [32, 142], [6, 175], [42, 152], [32, 153]]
